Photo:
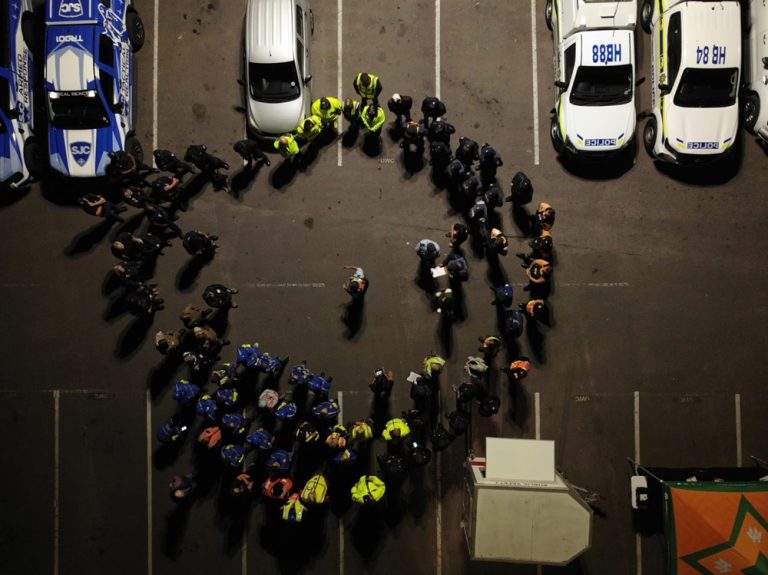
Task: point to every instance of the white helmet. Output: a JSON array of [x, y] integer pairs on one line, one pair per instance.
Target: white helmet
[[396, 97]]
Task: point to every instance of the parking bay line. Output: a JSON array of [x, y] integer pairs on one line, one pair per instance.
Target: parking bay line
[[339, 45], [638, 539], [149, 481], [56, 425], [737, 405], [155, 74], [535, 72], [437, 49]]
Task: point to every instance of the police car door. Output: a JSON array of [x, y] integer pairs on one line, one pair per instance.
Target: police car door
[[673, 48], [565, 75]]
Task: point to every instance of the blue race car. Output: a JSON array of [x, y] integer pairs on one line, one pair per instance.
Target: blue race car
[[90, 83], [21, 155]]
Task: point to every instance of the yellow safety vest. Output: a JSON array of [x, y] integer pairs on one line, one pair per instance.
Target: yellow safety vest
[[369, 91]]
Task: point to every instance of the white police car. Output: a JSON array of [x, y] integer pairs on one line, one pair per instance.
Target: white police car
[[754, 104], [695, 63], [594, 65], [20, 153], [89, 83]]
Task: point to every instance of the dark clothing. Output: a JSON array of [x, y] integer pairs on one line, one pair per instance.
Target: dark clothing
[[458, 235], [168, 162], [162, 220], [441, 131], [433, 108], [97, 205], [472, 186], [521, 190], [401, 109], [490, 160], [467, 152], [131, 271], [494, 197], [219, 296], [197, 243], [478, 213], [193, 316], [440, 153], [203, 161], [457, 267], [135, 196], [250, 151], [456, 172], [503, 295], [126, 246], [143, 301]]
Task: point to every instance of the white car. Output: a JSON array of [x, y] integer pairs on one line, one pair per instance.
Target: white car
[[277, 65], [594, 64], [754, 104], [695, 69]]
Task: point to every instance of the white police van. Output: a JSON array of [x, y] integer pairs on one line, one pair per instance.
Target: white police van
[[754, 105], [21, 156], [90, 82], [594, 64], [695, 63]]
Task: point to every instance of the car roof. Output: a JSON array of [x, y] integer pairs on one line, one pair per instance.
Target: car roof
[[270, 31], [708, 24], [70, 64]]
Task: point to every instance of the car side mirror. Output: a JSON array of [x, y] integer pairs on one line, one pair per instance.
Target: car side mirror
[[117, 107], [663, 88], [639, 81], [14, 114], [307, 78], [561, 85], [765, 62]]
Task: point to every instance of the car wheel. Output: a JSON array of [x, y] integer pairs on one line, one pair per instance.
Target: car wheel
[[750, 110], [133, 147], [135, 28], [649, 136], [554, 134], [646, 15], [34, 157], [548, 13]]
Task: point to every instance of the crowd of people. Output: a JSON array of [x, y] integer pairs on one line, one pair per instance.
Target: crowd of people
[[291, 446]]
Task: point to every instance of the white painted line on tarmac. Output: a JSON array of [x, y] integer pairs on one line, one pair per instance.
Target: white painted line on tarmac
[[637, 427], [56, 421], [149, 482], [535, 66], [439, 516], [339, 50], [638, 539], [155, 60], [437, 49], [341, 519], [537, 414], [538, 569], [737, 400]]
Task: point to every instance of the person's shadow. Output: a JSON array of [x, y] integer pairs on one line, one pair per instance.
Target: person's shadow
[[187, 275], [413, 160], [349, 139], [283, 174], [242, 180], [163, 374], [353, 318], [175, 527], [372, 145], [133, 336], [85, 241]]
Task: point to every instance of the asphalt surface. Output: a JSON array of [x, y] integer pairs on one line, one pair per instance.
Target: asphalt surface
[[658, 303]]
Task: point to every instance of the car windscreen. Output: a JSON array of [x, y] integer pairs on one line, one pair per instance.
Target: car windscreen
[[273, 82], [707, 88], [602, 85], [77, 111]]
